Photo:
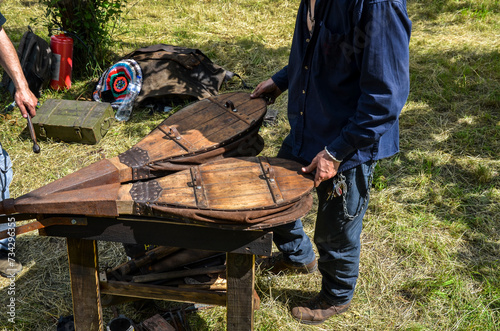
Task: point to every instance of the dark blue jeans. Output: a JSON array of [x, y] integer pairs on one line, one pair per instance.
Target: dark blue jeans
[[337, 233]]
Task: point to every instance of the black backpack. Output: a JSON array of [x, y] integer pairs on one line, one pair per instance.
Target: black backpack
[[36, 60]]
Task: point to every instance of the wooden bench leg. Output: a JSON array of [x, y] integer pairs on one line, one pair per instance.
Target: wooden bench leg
[[240, 287], [84, 273]]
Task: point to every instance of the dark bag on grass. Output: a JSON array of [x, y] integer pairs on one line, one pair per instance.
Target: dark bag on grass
[[36, 60], [174, 73]]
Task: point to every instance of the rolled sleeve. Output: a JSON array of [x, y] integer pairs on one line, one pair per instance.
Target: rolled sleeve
[[2, 20]]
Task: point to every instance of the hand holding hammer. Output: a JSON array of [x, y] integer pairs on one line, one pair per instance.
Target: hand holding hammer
[[36, 148]]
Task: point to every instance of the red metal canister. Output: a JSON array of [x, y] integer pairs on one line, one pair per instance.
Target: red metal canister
[[62, 47]]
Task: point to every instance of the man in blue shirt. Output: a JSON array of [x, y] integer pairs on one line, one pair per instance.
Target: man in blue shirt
[[26, 101], [347, 80]]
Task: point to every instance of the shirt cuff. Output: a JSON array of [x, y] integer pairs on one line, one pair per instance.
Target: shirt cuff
[[331, 156], [339, 149], [281, 79]]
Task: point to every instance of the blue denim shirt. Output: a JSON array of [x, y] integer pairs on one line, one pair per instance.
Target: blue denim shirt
[[348, 81]]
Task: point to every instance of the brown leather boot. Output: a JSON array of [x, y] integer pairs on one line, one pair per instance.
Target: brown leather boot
[[276, 264], [317, 310]]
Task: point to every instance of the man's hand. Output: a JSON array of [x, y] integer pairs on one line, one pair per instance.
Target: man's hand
[[325, 167], [26, 101], [268, 89]]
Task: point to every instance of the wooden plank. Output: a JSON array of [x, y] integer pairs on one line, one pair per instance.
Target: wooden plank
[[148, 258], [180, 197], [156, 231], [125, 172], [100, 173], [240, 287], [157, 292], [249, 113], [237, 187], [40, 224], [230, 173], [190, 111], [222, 130], [229, 187], [251, 110], [245, 109], [114, 300], [178, 274], [88, 200], [185, 124], [225, 189], [83, 268], [175, 181], [160, 147], [243, 203], [214, 123]]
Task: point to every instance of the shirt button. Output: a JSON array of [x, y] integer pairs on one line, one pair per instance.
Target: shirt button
[[306, 67], [303, 91], [301, 113], [308, 40]]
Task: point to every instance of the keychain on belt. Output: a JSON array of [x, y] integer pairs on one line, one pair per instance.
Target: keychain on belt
[[339, 186]]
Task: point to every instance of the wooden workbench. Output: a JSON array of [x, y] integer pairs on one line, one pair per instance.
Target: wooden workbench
[[241, 245]]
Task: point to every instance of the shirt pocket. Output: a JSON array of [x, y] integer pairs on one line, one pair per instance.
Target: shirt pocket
[[333, 50]]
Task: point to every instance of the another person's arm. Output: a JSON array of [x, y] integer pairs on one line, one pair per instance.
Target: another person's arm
[[25, 99]]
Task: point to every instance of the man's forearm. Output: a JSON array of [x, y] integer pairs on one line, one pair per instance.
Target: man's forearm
[[10, 61]]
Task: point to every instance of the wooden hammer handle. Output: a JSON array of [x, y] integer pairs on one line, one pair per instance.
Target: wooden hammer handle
[[36, 148]]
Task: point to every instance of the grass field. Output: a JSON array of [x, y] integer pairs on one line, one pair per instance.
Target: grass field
[[431, 239]]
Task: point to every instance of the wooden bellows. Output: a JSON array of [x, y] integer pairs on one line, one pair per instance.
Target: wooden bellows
[[185, 170]]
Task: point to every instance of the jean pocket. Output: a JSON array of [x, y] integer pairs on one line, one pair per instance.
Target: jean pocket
[[357, 195]]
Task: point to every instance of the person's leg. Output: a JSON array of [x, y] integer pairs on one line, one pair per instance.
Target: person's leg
[[290, 238], [337, 238], [5, 180], [293, 242], [8, 267], [4, 243]]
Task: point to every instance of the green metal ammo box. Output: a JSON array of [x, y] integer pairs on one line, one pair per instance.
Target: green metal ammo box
[[84, 122]]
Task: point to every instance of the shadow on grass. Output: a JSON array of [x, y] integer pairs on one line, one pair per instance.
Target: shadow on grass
[[40, 292], [451, 124], [178, 314], [430, 9], [449, 155], [460, 94]]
